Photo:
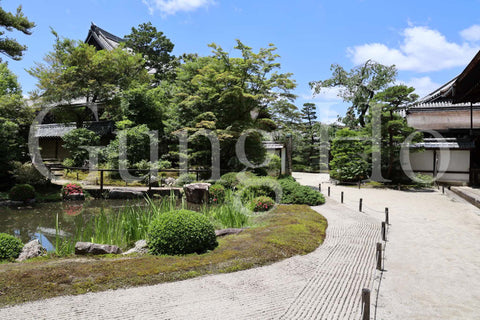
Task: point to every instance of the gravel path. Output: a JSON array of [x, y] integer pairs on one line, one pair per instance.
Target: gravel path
[[432, 256], [325, 284]]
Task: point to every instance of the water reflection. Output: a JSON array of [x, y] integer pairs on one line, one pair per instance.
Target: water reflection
[[39, 221]]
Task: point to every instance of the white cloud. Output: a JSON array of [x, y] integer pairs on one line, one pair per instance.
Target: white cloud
[[423, 85], [472, 33], [326, 94], [422, 50], [170, 7]]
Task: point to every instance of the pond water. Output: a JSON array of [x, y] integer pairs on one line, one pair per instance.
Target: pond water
[[39, 220]]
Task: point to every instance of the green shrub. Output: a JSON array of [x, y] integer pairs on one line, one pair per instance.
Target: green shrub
[[229, 180], [75, 141], [184, 179], [259, 186], [295, 193], [10, 247], [22, 192], [216, 193], [181, 232], [261, 204], [27, 173]]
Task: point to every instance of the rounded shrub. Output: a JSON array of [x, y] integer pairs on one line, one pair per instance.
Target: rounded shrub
[[216, 193], [10, 247], [259, 204], [295, 193], [184, 179], [22, 192], [181, 232]]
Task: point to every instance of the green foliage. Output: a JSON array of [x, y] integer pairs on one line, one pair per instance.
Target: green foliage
[[8, 46], [358, 86], [261, 203], [22, 192], [75, 70], [216, 193], [75, 140], [295, 193], [137, 148], [259, 186], [156, 49], [348, 156], [181, 232], [27, 173], [229, 180], [10, 247], [275, 165], [185, 178], [15, 120]]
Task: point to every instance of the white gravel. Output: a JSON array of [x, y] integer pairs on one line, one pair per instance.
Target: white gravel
[[432, 253]]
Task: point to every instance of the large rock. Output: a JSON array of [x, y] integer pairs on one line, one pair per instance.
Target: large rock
[[196, 192], [94, 248], [225, 232], [141, 247], [123, 193], [32, 249]]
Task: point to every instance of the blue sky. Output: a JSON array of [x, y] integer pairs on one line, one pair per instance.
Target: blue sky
[[429, 41]]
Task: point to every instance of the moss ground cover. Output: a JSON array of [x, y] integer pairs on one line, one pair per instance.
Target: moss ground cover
[[284, 232]]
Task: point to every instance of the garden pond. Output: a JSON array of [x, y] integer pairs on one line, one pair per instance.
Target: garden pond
[[39, 221]]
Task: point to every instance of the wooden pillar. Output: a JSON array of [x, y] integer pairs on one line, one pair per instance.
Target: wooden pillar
[[289, 154]]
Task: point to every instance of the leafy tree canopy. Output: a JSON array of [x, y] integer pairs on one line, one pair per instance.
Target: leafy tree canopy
[[358, 86], [9, 21], [76, 70], [238, 90], [155, 48]]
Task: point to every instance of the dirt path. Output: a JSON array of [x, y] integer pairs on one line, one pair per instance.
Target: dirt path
[[432, 253], [325, 284]]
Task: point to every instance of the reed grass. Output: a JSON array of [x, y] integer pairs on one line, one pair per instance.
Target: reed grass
[[130, 223]]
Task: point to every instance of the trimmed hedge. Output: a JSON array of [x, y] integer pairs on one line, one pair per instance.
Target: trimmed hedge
[[10, 247], [181, 232], [295, 193], [22, 192]]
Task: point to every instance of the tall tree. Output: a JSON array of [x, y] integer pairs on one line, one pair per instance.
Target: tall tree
[[394, 127], [76, 70], [358, 86], [15, 118], [155, 48], [240, 92], [309, 146], [8, 46]]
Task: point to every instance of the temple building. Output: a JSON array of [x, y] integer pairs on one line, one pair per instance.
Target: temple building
[[450, 119]]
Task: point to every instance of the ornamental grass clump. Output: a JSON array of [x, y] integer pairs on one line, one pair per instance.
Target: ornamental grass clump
[[181, 232], [10, 247], [22, 192]]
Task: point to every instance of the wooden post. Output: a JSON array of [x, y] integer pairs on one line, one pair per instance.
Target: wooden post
[[320, 187], [149, 185], [365, 304], [379, 256], [358, 184], [101, 181], [443, 189], [341, 197], [197, 175], [387, 220], [77, 175], [360, 205], [329, 191], [384, 231]]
